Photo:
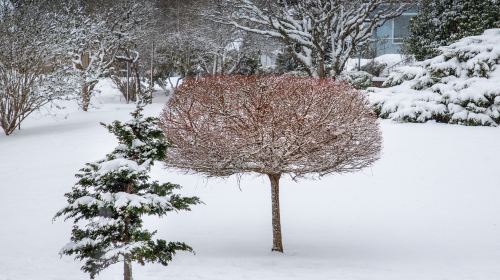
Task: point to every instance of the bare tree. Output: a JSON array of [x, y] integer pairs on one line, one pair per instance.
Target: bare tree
[[323, 34], [172, 44], [99, 33], [126, 75], [31, 74], [220, 126], [204, 52]]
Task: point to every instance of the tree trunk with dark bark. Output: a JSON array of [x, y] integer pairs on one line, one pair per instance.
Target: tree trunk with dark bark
[[127, 264], [85, 97], [86, 88], [127, 269], [275, 198], [321, 66]]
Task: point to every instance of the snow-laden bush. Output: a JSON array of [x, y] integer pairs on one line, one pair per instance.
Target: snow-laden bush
[[296, 73], [358, 79], [461, 86], [374, 68]]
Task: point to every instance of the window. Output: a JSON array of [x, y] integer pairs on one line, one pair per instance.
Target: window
[[400, 27]]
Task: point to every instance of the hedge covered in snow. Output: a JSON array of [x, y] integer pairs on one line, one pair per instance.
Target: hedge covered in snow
[[460, 86], [358, 79]]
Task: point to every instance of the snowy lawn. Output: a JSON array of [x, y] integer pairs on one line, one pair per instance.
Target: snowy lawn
[[429, 209]]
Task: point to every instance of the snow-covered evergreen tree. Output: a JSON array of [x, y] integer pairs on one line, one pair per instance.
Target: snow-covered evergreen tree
[[111, 197], [442, 22], [460, 86]]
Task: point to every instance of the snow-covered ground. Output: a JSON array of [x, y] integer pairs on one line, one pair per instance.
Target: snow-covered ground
[[429, 209]]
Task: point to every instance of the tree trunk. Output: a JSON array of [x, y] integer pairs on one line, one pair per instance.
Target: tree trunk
[[86, 90], [127, 269], [275, 198], [85, 97], [321, 67], [127, 263]]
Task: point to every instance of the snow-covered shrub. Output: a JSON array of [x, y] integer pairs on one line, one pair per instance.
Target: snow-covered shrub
[[374, 68], [443, 22], [296, 73], [266, 70], [461, 86], [401, 74], [358, 79]]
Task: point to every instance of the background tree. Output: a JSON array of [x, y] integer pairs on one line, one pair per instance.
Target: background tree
[[221, 126], [442, 22], [98, 34], [177, 24], [322, 34], [31, 71], [111, 197], [203, 52], [126, 75]]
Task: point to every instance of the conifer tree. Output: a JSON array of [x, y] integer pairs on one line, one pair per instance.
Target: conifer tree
[[111, 197], [443, 22]]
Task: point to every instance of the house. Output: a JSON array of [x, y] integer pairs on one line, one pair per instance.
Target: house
[[389, 37]]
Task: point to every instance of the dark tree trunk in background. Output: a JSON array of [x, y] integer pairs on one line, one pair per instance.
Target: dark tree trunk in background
[[86, 88], [275, 206], [321, 69], [85, 98]]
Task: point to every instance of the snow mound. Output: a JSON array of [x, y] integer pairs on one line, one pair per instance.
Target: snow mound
[[460, 86]]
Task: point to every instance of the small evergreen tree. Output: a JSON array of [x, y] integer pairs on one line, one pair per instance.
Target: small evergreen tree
[[111, 197], [442, 22]]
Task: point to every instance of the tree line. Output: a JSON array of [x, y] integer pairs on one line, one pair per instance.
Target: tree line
[[55, 49]]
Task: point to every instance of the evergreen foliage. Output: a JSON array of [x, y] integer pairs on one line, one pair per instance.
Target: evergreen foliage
[[442, 22], [112, 195], [358, 79], [460, 86]]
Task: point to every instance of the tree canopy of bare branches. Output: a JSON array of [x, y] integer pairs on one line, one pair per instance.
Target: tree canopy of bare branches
[[31, 74], [323, 34], [226, 125], [208, 47], [100, 36]]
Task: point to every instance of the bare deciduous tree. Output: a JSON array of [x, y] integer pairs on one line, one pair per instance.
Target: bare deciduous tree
[[323, 34], [204, 52], [98, 34], [30, 73], [220, 126]]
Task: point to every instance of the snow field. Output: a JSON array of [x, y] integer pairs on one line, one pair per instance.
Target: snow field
[[427, 210]]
